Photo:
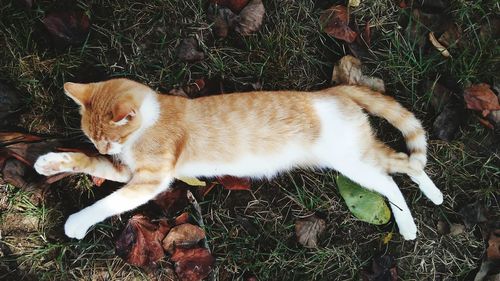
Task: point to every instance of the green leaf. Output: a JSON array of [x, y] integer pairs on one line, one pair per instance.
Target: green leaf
[[364, 204]]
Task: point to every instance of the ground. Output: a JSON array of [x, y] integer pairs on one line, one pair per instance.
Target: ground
[[250, 233]]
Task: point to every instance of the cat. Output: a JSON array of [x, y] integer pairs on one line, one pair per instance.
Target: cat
[[158, 138]]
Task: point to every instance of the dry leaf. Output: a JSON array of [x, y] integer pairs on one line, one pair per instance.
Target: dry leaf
[[354, 3], [182, 219], [234, 183], [480, 97], [184, 235], [473, 213], [67, 28], [192, 264], [140, 242], [251, 17], [308, 229], [446, 125], [189, 51], [10, 101], [335, 21], [443, 227], [451, 36], [192, 181], [224, 21], [456, 229], [387, 237], [493, 250], [442, 49], [234, 5], [172, 200], [383, 269], [348, 71]]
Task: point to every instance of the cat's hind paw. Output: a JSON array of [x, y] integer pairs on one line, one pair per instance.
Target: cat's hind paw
[[54, 163], [408, 230]]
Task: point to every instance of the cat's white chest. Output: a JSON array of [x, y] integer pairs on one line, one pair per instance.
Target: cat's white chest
[[127, 157]]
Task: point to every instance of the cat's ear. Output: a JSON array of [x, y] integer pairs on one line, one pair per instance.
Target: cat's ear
[[123, 112], [80, 93]]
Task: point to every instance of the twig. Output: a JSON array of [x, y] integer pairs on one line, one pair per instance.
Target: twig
[[199, 217]]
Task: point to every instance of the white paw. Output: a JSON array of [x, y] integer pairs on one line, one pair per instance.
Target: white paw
[[435, 195], [408, 230], [76, 226], [53, 163]]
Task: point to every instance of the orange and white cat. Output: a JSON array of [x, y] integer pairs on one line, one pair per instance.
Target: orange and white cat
[[158, 138]]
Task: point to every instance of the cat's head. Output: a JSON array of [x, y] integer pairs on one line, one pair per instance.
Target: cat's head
[[110, 111]]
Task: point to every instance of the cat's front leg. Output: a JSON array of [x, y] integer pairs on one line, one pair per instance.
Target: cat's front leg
[[143, 187], [59, 162]]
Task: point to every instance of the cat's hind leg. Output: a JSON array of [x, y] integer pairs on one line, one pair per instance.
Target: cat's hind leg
[[375, 179], [74, 162], [398, 162]]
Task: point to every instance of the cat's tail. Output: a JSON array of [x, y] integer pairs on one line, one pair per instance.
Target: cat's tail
[[388, 108]]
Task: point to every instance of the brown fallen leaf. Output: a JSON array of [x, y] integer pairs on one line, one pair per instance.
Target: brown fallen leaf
[[189, 51], [140, 242], [443, 227], [224, 21], [192, 264], [451, 36], [250, 18], [181, 219], [234, 183], [442, 49], [493, 250], [335, 22], [448, 122], [184, 235], [480, 97], [308, 229], [383, 269], [172, 200], [10, 102], [490, 29], [348, 71], [67, 28], [234, 5], [473, 213]]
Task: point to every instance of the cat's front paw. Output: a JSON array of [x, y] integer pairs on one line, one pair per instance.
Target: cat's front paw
[[76, 227], [54, 163]]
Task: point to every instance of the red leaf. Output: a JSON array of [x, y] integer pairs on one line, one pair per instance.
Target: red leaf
[[234, 183], [192, 264], [172, 201], [7, 138], [493, 251], [480, 97], [67, 28], [98, 181], [335, 22], [234, 5], [182, 219], [140, 242]]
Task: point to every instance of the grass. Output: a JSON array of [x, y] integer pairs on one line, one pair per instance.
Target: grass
[[250, 233]]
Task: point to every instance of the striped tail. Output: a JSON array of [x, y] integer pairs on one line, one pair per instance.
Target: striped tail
[[388, 108]]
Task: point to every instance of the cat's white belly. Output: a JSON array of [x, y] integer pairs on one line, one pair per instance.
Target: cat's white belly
[[257, 166], [339, 141]]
